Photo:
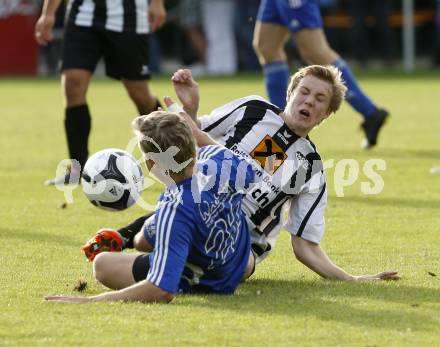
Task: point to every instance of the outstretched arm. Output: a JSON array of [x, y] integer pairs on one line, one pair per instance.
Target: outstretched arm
[[314, 257], [143, 291]]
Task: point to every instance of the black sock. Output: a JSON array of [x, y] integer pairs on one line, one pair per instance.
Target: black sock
[[129, 232], [77, 124], [158, 105]]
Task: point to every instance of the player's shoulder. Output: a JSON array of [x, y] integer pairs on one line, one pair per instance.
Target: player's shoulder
[[177, 200], [311, 149], [214, 151], [252, 101], [210, 151], [257, 101]]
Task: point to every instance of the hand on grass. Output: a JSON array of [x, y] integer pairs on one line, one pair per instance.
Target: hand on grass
[[383, 276], [68, 299]]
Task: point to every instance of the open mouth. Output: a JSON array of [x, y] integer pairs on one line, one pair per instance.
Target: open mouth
[[304, 113]]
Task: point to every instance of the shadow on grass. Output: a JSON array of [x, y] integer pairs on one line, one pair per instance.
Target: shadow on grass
[[32, 234], [331, 301], [391, 202]]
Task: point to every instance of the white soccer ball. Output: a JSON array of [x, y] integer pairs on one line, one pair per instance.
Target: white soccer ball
[[112, 179]]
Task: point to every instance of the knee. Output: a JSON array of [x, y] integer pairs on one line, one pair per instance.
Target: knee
[[101, 268], [265, 50], [75, 88]]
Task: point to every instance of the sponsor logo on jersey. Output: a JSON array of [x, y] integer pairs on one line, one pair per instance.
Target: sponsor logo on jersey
[[269, 155], [284, 137], [302, 160]]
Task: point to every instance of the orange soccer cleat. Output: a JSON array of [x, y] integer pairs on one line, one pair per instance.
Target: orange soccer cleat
[[105, 240]]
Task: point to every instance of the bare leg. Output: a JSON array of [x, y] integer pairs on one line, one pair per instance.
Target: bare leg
[[314, 48], [141, 96], [114, 269], [77, 121], [269, 40]]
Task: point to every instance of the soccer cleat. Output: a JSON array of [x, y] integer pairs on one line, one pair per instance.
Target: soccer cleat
[[105, 240], [71, 177], [371, 127]]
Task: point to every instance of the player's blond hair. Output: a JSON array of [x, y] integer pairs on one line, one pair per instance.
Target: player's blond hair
[[330, 74], [165, 129]]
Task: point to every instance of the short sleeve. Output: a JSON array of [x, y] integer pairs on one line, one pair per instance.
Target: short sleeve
[[220, 121], [173, 240], [306, 213]]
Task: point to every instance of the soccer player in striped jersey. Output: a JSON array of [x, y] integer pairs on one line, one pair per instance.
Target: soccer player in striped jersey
[[115, 30], [202, 242], [288, 168]]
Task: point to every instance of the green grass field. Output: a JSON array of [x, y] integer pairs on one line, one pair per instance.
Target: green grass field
[[283, 304]]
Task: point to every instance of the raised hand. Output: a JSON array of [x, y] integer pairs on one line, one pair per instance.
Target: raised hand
[[187, 90]]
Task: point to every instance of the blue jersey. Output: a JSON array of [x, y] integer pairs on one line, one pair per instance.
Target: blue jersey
[[202, 241], [296, 15]]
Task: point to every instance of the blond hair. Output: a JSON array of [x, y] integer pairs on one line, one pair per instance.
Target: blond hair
[[330, 74], [161, 130]]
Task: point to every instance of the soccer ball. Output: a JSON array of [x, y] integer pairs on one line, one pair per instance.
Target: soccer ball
[[112, 179]]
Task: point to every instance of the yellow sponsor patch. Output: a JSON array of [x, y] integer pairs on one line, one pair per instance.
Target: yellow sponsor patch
[[269, 154]]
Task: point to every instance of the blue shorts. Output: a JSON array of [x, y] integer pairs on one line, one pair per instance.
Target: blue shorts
[[296, 15], [149, 230]]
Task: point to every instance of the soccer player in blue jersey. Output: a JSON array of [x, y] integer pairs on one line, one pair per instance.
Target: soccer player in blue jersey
[[277, 19], [289, 174], [202, 240]]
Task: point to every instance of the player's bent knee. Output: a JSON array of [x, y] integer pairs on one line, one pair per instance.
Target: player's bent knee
[[267, 53], [101, 265], [75, 89]]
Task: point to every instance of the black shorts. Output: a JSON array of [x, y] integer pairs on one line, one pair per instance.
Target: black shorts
[[141, 266], [125, 54]]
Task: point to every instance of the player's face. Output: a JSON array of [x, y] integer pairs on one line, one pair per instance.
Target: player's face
[[308, 105]]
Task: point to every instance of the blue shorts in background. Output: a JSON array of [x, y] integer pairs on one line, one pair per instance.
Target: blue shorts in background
[[296, 15]]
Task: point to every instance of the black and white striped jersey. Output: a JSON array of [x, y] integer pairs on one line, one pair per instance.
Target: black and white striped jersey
[[287, 167], [113, 15]]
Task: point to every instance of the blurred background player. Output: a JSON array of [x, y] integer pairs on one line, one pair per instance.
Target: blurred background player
[[119, 34], [191, 22], [276, 20], [202, 241]]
